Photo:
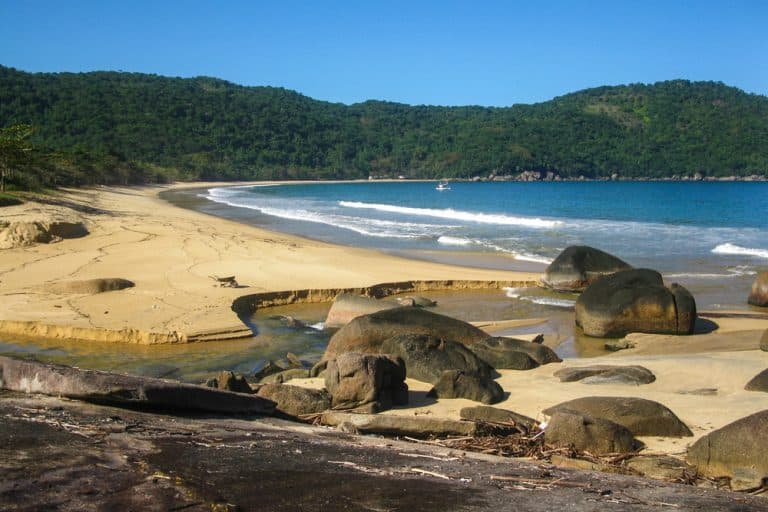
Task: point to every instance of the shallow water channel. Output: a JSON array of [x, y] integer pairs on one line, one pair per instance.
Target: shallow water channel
[[274, 337]]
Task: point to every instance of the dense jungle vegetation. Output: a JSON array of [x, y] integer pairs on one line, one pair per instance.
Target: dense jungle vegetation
[[115, 127]]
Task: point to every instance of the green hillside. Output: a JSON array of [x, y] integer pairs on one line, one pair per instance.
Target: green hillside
[[129, 127]]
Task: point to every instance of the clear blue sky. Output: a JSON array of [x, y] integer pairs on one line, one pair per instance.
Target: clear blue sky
[[418, 52]]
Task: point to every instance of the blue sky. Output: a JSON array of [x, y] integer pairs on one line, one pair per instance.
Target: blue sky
[[494, 53]]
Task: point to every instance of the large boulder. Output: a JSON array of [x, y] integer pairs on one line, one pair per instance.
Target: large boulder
[[738, 450], [348, 306], [460, 384], [578, 266], [758, 296], [588, 433], [427, 357], [512, 354], [606, 374], [642, 417], [487, 414], [759, 382], [366, 333], [355, 379], [295, 401], [124, 390], [635, 301]]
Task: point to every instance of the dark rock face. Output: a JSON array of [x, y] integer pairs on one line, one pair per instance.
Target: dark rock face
[[764, 341], [123, 390], [295, 401], [758, 296], [738, 450], [759, 382], [606, 374], [427, 357], [489, 414], [459, 384], [348, 306], [512, 354], [588, 433], [355, 379], [642, 417], [635, 301], [229, 381], [579, 266], [366, 333]]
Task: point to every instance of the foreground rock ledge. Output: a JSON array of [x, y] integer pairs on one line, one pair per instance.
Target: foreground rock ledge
[[125, 390], [61, 455]]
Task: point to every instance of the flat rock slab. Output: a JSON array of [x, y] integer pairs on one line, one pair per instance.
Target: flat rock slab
[[124, 390], [606, 374], [415, 426], [642, 417], [63, 455]]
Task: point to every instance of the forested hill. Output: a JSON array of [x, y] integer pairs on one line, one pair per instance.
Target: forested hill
[[212, 129]]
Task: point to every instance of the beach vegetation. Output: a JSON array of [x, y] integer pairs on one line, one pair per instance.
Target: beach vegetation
[[124, 128]]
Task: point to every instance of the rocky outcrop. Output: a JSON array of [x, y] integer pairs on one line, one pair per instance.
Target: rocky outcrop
[[759, 382], [355, 379], [412, 426], [764, 341], [229, 381], [348, 306], [635, 301], [285, 376], [588, 433], [471, 386], [90, 286], [427, 357], [758, 295], [578, 266], [738, 450], [487, 414], [512, 354], [22, 234], [294, 401], [124, 390], [367, 333], [642, 417], [606, 374]]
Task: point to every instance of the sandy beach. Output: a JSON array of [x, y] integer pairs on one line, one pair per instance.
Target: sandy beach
[[172, 253]]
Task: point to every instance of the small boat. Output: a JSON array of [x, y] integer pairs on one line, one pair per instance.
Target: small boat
[[443, 185]]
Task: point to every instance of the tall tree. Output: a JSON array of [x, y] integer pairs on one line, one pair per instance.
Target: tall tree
[[15, 151]]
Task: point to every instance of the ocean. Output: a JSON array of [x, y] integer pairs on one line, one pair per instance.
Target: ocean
[[709, 236]]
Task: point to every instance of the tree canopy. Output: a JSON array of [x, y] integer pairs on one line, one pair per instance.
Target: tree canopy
[[116, 127]]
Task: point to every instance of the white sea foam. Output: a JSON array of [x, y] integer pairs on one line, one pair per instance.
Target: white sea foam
[[363, 226], [737, 271], [449, 213], [513, 293], [729, 248], [319, 326], [453, 240], [548, 301]]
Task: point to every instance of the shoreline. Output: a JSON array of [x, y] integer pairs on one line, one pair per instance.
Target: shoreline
[[171, 252]]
